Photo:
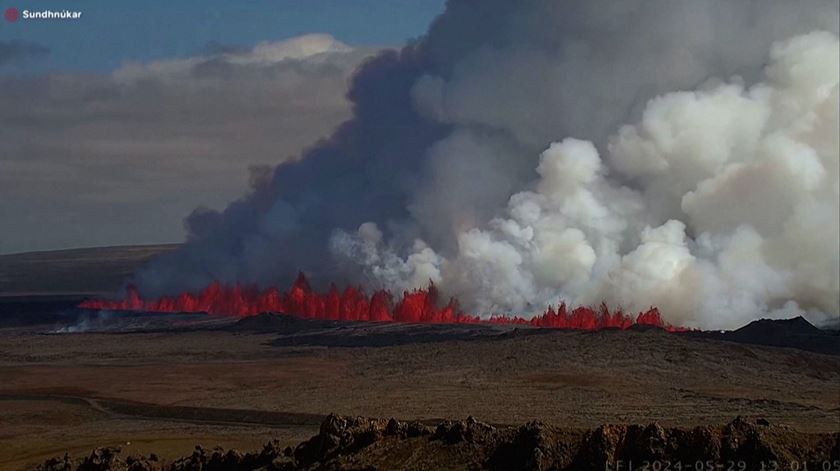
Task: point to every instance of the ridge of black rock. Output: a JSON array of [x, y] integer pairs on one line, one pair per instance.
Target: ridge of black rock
[[794, 326], [795, 332], [345, 443], [279, 322]]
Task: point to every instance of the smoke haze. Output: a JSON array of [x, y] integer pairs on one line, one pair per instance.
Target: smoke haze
[[682, 154], [94, 158]]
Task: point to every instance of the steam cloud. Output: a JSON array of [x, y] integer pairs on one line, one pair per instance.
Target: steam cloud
[[490, 157]]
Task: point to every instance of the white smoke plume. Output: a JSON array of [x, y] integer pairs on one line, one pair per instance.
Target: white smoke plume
[[734, 211], [719, 204]]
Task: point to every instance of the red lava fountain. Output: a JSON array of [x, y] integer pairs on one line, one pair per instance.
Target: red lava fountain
[[420, 306]]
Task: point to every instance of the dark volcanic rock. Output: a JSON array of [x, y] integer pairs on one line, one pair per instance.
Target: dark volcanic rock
[[357, 443], [281, 323], [768, 328], [789, 333], [340, 435], [470, 430], [102, 459], [297, 331]]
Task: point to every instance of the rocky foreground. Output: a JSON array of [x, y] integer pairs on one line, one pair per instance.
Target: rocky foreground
[[356, 443]]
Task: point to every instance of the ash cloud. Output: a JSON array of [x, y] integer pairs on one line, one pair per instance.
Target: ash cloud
[[677, 153]]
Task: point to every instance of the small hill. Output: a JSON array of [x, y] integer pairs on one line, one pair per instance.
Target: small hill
[[73, 271], [789, 333], [769, 328]]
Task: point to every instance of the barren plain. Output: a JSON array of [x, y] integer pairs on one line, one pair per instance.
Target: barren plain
[[212, 382]]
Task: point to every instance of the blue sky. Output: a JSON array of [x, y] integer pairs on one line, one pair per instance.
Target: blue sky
[[112, 32], [89, 160]]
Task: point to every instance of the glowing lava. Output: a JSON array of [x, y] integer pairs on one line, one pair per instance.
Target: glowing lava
[[352, 304]]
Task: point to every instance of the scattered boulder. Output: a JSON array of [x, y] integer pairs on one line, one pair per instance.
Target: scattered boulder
[[470, 430]]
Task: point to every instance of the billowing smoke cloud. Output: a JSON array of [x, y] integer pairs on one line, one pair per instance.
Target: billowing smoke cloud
[[491, 158]]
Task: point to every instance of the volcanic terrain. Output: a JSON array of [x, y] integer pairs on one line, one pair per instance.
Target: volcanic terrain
[[72, 380]]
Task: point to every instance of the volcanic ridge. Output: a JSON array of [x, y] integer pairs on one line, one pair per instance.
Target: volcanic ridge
[[357, 443]]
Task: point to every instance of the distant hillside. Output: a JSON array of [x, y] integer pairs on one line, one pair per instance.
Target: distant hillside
[[89, 270], [789, 333]]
